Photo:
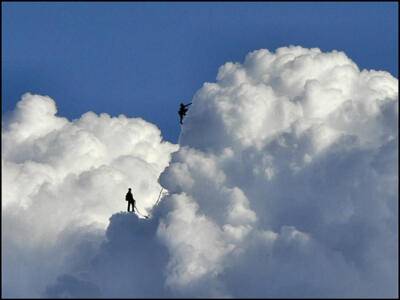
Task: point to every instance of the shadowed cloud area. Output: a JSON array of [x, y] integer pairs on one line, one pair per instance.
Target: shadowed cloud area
[[284, 184], [127, 263]]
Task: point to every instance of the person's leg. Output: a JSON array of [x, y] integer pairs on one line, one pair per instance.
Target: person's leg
[[129, 205]]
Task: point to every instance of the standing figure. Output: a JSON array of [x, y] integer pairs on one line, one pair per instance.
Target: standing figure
[[131, 201], [182, 111]]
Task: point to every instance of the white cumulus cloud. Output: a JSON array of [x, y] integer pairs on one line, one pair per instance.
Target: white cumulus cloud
[[284, 185], [286, 180], [61, 176]]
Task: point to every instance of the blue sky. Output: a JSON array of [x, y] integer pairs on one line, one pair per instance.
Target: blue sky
[[143, 59]]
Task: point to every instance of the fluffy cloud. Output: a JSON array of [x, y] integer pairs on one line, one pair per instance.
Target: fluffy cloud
[[284, 185], [286, 180], [63, 177]]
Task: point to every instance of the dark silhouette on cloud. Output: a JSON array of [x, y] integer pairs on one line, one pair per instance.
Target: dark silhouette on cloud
[[182, 111], [131, 200], [132, 203]]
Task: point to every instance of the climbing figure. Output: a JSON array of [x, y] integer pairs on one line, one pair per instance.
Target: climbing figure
[[182, 111], [131, 201]]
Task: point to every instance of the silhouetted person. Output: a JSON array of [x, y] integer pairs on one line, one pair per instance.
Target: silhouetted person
[[182, 111], [131, 201]]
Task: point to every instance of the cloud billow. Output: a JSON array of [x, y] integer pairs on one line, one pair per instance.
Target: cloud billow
[[63, 180], [287, 173], [284, 185]]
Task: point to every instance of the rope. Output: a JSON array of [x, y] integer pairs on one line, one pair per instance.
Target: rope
[[158, 200], [141, 213], [159, 196]]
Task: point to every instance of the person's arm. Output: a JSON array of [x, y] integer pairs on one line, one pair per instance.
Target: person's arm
[[188, 104]]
